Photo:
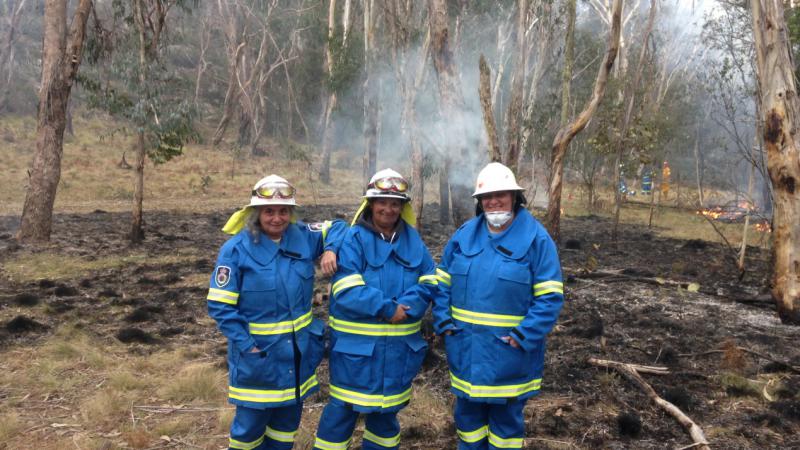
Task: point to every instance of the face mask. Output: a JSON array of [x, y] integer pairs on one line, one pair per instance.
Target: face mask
[[498, 219]]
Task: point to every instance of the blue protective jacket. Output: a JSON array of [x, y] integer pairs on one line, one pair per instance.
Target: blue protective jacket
[[373, 362], [260, 296], [494, 286]]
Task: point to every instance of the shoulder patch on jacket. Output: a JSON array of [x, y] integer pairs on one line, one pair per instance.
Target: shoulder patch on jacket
[[222, 276]]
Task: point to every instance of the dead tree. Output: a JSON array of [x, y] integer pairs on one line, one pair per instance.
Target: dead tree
[[61, 56], [780, 112], [567, 133], [450, 102]]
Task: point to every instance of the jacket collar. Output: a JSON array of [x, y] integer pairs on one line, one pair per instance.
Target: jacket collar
[[407, 246], [513, 242], [292, 245]]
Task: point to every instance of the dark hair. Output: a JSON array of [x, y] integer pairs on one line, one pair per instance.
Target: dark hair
[[519, 202]]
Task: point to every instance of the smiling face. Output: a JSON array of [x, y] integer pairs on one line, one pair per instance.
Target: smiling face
[[497, 201], [274, 219], [385, 213]]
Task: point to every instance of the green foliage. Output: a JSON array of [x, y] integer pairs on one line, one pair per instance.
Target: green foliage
[[347, 61], [158, 107]]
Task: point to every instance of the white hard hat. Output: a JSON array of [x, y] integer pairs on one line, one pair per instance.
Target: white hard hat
[[387, 183], [495, 177], [273, 190]]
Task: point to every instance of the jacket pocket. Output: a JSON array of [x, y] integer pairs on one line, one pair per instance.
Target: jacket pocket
[[258, 294], [458, 270], [255, 370], [455, 345], [417, 348], [514, 283], [305, 272], [509, 364], [351, 361]]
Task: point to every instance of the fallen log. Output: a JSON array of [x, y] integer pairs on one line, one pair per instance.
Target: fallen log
[[631, 373], [746, 350]]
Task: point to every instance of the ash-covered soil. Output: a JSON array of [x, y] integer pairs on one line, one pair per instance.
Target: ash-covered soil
[[633, 301]]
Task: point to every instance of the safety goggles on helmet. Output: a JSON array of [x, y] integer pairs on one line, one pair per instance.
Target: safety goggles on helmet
[[390, 184], [271, 190]]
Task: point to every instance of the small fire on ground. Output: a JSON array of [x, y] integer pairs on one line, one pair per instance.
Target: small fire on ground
[[736, 212]]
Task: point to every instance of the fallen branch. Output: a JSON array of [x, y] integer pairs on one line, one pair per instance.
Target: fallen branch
[[746, 350], [631, 373], [169, 409]]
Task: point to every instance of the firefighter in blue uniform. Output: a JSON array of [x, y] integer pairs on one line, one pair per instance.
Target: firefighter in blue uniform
[[260, 296], [503, 291], [647, 181], [385, 281]]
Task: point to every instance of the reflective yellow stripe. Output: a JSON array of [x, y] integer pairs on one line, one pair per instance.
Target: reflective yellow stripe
[[499, 442], [511, 390], [325, 445], [280, 436], [281, 327], [381, 401], [443, 276], [374, 329], [548, 287], [471, 437], [218, 295], [270, 396], [428, 279], [245, 445], [478, 318], [325, 227], [393, 441], [347, 282]]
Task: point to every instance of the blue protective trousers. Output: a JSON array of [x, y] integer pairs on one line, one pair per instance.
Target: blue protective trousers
[[483, 426], [382, 430], [265, 429]]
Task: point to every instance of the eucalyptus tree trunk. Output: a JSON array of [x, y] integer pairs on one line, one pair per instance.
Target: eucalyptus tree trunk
[[484, 91], [629, 97], [511, 155], [371, 92], [568, 132], [61, 57], [14, 11], [327, 131], [137, 222], [450, 102], [780, 112]]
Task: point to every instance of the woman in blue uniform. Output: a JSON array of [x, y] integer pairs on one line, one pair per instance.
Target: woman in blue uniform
[[260, 296], [501, 280], [385, 280]]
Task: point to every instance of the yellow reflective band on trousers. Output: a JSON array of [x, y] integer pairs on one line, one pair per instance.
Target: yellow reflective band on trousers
[[512, 390], [499, 442], [471, 437], [380, 401], [548, 287], [325, 445], [280, 436], [382, 441], [374, 329], [218, 295], [270, 396], [443, 276], [347, 282], [491, 320], [281, 327], [245, 445], [428, 279]]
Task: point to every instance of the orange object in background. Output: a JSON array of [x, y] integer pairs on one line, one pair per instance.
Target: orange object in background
[[665, 173]]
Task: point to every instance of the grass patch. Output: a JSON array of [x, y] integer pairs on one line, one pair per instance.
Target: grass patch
[[10, 425], [106, 407], [176, 426], [195, 382], [739, 386], [36, 266], [124, 380]]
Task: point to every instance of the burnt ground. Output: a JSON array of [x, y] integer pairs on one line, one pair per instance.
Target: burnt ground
[[629, 302]]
